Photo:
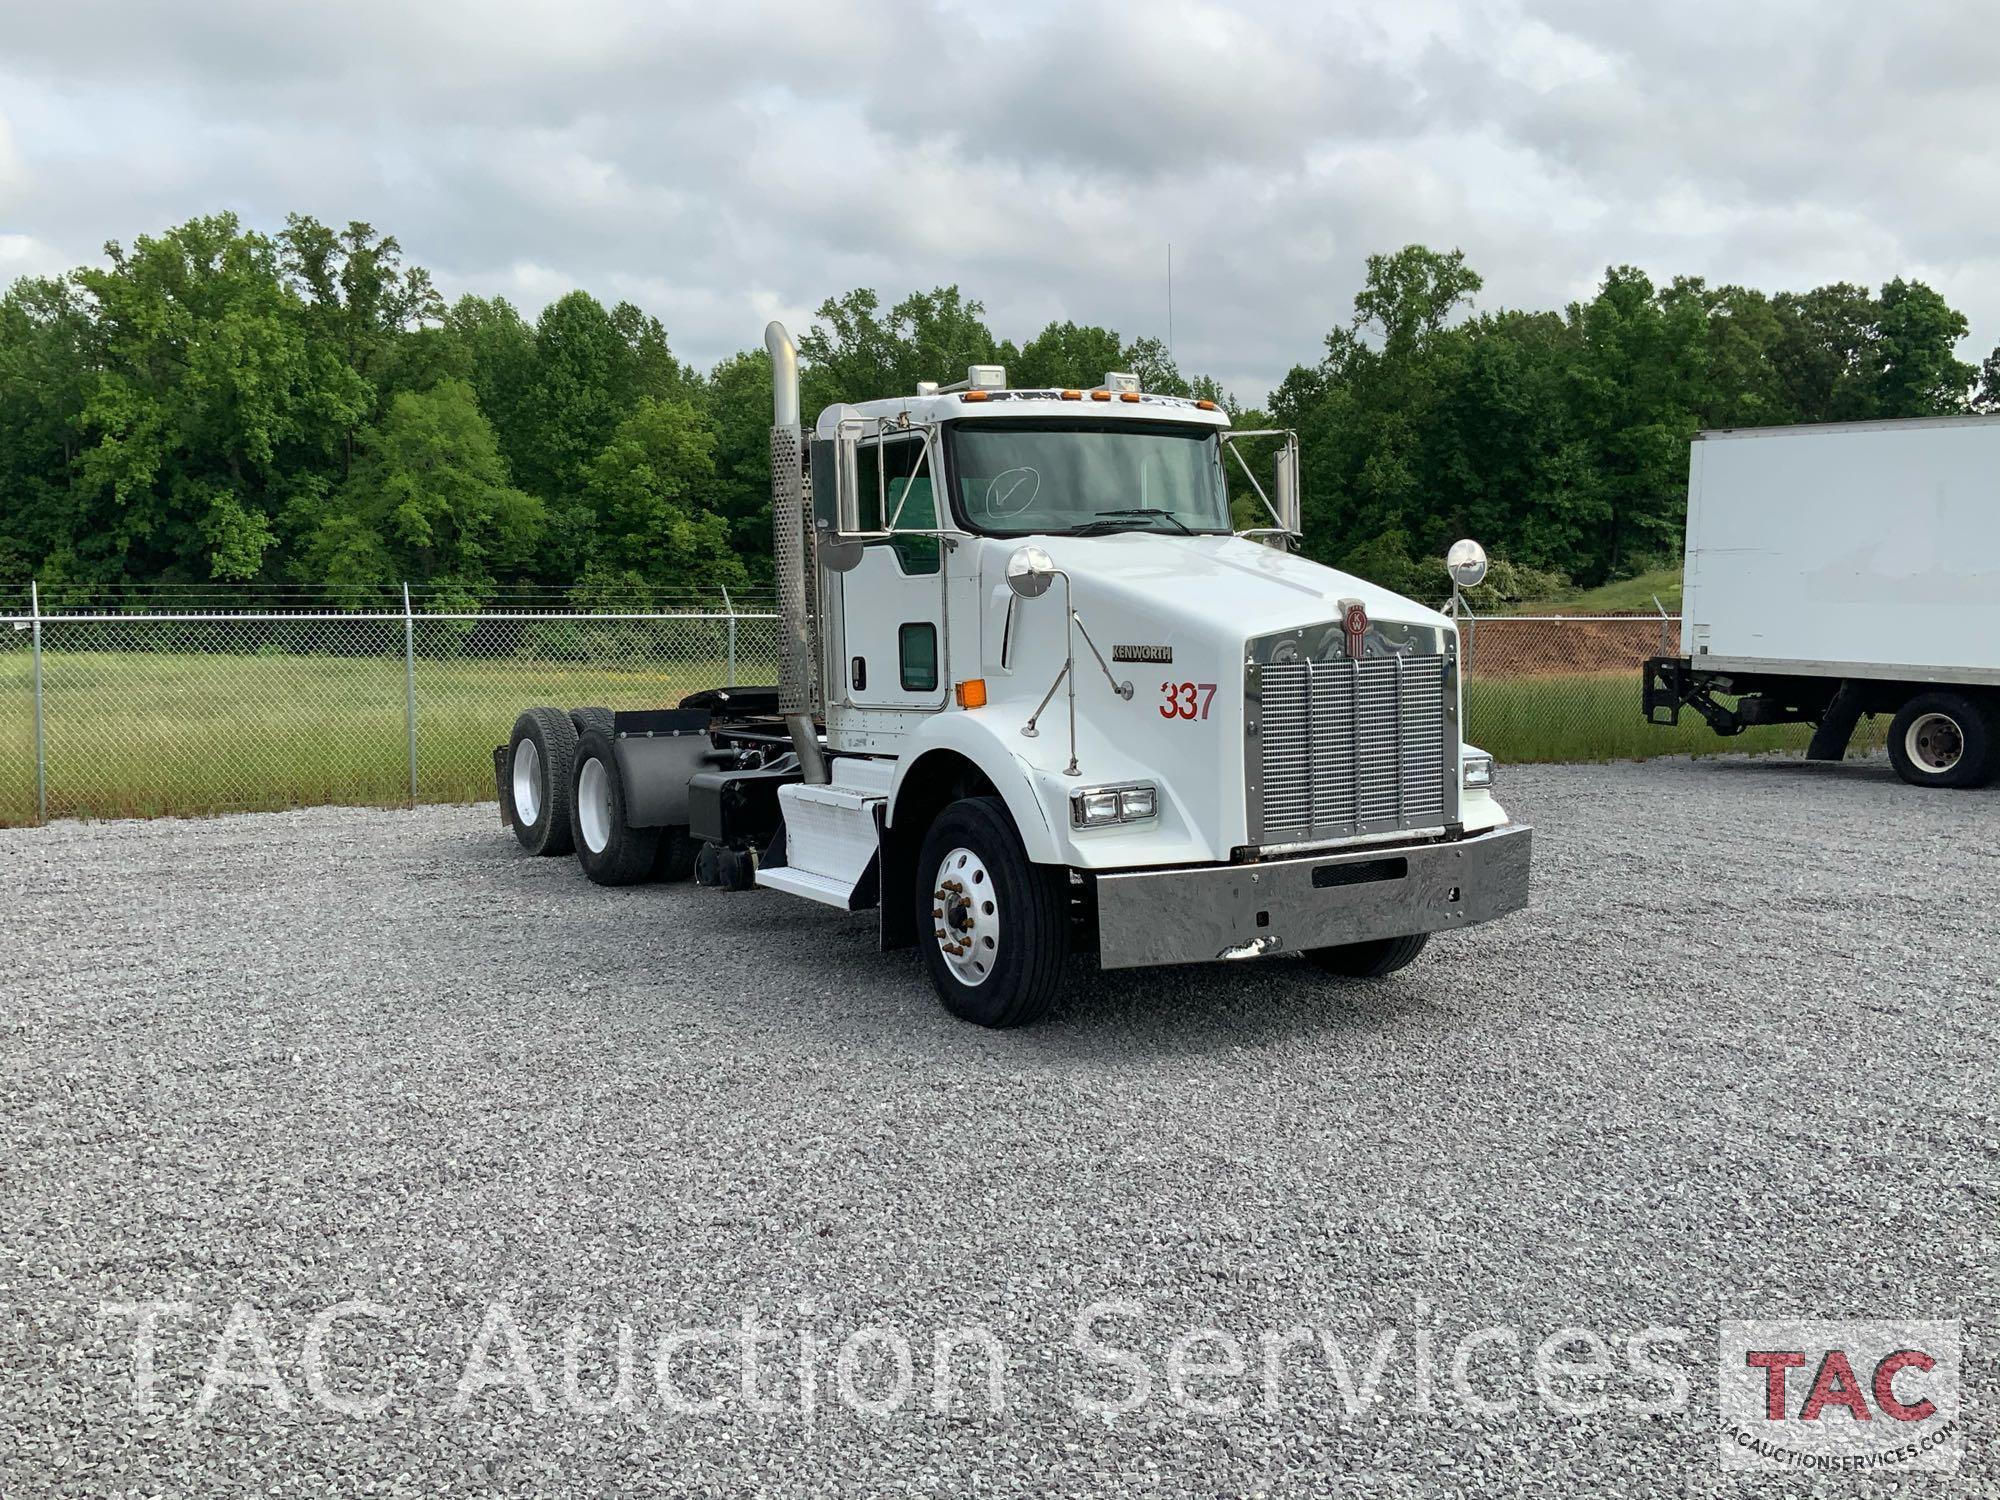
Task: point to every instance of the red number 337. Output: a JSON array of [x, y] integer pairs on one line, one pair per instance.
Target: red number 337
[[1186, 700]]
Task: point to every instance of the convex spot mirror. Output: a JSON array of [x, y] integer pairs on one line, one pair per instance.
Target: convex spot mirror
[[1467, 563], [1030, 571]]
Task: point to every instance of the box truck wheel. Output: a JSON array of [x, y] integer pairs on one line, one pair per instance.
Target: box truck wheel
[[1370, 960], [592, 718], [539, 757], [610, 853], [994, 927], [1943, 739]]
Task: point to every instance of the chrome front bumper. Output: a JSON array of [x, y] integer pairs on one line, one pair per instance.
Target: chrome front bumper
[[1315, 901]]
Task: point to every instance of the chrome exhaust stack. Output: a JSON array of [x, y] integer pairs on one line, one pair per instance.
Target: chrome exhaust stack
[[791, 553]]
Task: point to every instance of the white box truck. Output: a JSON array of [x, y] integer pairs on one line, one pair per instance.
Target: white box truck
[[1846, 569], [1036, 693]]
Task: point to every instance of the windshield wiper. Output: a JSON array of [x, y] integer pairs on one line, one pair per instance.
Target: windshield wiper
[[1108, 520]]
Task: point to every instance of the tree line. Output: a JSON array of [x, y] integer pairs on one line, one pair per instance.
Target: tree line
[[222, 407]]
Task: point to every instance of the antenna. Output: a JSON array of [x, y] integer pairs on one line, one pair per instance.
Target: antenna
[[1170, 299]]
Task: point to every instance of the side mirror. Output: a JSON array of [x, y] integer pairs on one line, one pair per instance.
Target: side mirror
[[839, 557], [847, 478], [1030, 571], [1285, 483]]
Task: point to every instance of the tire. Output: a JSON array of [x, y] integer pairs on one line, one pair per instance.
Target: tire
[[1371, 960], [610, 853], [1944, 740], [1012, 945], [540, 756], [675, 860], [592, 718]]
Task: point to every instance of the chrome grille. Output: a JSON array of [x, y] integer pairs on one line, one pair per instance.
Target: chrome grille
[[1342, 747]]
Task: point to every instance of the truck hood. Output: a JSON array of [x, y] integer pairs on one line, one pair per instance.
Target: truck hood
[[1220, 584], [1171, 616]]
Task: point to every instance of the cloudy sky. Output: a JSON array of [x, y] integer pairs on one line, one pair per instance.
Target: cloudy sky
[[725, 162]]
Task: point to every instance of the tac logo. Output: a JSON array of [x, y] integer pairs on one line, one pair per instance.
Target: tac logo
[[1824, 1396]]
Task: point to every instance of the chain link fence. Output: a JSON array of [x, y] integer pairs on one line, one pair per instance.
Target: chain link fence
[[140, 714], [143, 711]]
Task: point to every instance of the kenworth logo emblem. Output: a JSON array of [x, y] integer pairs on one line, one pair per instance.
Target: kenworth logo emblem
[[1142, 653], [1354, 620]]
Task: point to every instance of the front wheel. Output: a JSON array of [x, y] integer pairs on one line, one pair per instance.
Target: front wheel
[[1943, 739], [999, 923], [1373, 960]]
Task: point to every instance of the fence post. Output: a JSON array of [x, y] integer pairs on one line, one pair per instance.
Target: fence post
[[41, 743], [410, 687], [730, 605]]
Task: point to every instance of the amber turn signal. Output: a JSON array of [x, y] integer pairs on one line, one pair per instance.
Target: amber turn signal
[[972, 693]]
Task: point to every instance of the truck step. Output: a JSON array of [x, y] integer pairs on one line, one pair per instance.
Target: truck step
[[825, 889]]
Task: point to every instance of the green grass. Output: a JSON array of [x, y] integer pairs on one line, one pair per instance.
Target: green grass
[[149, 734], [1616, 597], [1525, 720], [146, 734]]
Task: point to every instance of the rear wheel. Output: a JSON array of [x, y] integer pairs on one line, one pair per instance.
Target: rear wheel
[[1371, 960], [592, 718], [998, 923], [677, 854], [610, 853], [1943, 739], [540, 756]]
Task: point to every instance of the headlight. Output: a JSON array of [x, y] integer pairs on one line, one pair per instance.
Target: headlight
[[1477, 769], [1099, 806]]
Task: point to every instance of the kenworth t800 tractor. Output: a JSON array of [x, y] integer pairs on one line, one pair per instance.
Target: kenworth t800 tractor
[[1039, 697]]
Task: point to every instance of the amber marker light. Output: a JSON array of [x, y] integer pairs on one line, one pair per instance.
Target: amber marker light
[[972, 693]]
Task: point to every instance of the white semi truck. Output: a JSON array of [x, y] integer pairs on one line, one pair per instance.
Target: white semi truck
[[1038, 696], [1842, 570]]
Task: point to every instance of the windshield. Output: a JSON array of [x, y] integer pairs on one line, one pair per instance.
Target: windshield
[[1013, 478]]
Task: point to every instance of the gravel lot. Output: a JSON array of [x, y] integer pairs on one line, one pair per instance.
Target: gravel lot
[[1737, 1060]]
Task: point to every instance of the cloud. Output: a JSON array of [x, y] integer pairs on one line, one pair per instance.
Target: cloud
[[720, 162]]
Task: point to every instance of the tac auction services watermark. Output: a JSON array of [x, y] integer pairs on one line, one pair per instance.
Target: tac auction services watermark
[[197, 1363], [1823, 1396]]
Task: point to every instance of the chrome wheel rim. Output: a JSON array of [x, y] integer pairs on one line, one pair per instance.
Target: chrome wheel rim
[[1934, 743], [593, 805], [527, 783], [965, 910]]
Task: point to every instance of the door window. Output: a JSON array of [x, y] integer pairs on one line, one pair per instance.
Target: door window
[[917, 646], [907, 500]]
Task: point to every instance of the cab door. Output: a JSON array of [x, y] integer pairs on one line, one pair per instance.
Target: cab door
[[892, 601]]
